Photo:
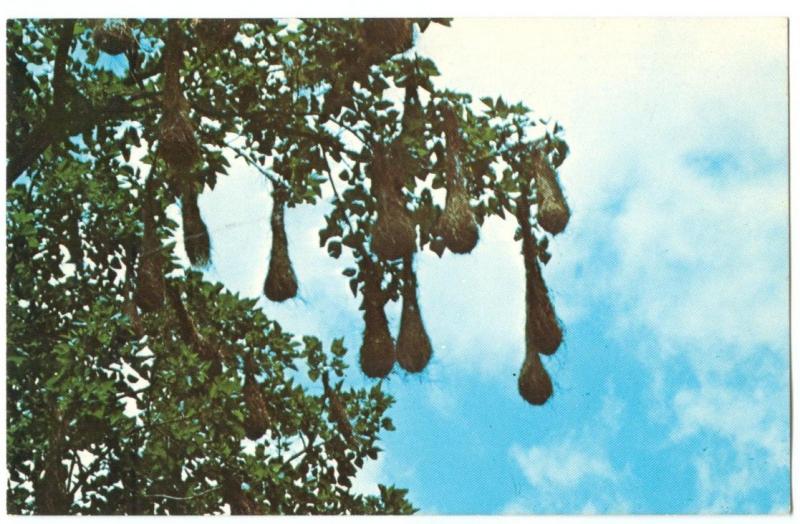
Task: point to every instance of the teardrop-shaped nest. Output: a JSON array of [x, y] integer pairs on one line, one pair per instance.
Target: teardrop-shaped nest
[[239, 501], [177, 142], [385, 37], [257, 420], [196, 241], [113, 38], [393, 235], [534, 382], [553, 212], [149, 294], [377, 355], [336, 410], [457, 225], [377, 351], [281, 281], [542, 330], [216, 33], [413, 345]]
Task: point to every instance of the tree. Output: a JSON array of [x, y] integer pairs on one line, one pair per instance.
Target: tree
[[137, 386]]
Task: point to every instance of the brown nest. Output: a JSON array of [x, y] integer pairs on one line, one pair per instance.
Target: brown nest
[[177, 142], [281, 282], [377, 354], [457, 225], [534, 383], [149, 295], [190, 335], [239, 501], [553, 212], [385, 37], [336, 410], [413, 345], [216, 33], [195, 233], [393, 235], [114, 38], [542, 329], [257, 419]]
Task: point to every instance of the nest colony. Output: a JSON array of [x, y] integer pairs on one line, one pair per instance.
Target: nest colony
[[113, 37], [281, 282], [543, 334], [393, 235], [457, 225]]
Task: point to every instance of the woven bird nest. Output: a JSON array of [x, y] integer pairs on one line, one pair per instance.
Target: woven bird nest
[[413, 345], [385, 37], [281, 282], [149, 295], [195, 233], [393, 235], [256, 422], [534, 382], [553, 212], [113, 37], [377, 355], [336, 410], [542, 330], [190, 336], [457, 225], [216, 33], [177, 142]]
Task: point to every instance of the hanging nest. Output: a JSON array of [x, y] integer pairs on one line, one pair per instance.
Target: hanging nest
[[413, 345], [177, 142], [190, 335], [383, 38], [413, 121], [195, 234], [130, 310], [377, 354], [281, 282], [542, 329], [216, 33], [150, 280], [256, 422], [393, 235], [457, 225], [534, 383], [113, 38], [553, 212], [336, 411], [239, 501]]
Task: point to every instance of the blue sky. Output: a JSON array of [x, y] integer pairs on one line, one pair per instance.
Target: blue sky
[[671, 388]]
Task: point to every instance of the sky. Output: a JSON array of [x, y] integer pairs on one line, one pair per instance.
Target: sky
[[671, 280]]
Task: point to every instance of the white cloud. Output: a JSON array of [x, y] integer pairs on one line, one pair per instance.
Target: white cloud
[[573, 473], [562, 466]]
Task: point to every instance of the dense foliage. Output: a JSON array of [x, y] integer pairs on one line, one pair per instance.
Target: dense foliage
[[136, 386]]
